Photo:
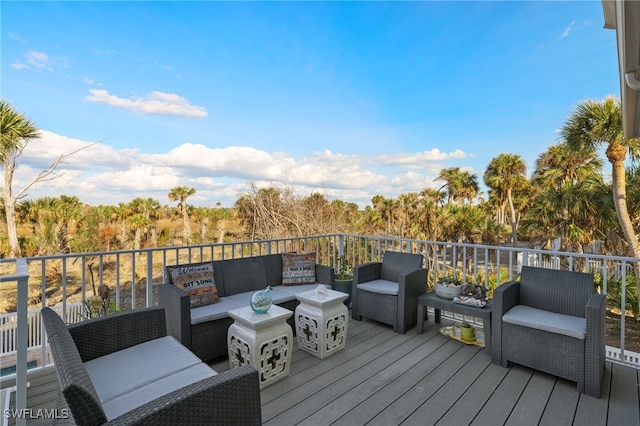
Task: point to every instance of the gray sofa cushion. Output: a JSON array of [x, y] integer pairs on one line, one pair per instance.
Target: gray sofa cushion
[[279, 294], [552, 322], [151, 391], [139, 374], [380, 287], [215, 311], [123, 371]]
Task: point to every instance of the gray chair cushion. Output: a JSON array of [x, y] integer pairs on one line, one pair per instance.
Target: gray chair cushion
[[380, 287], [131, 377], [151, 391], [552, 322]]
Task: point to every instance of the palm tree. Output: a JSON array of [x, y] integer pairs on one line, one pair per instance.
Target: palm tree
[[600, 123], [181, 193], [149, 208], [67, 208], [461, 185], [138, 223], [121, 214], [16, 131], [505, 173], [566, 179]]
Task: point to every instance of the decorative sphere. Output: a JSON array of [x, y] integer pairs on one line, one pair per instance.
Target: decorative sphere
[[261, 301]]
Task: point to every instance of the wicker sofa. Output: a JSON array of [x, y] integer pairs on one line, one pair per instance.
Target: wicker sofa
[[123, 369], [551, 321], [204, 329]]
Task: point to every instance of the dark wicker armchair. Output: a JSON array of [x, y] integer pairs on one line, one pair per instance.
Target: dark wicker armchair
[[388, 291], [553, 322], [231, 397]]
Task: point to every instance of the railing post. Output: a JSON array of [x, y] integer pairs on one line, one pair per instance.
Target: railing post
[[149, 278], [21, 361]]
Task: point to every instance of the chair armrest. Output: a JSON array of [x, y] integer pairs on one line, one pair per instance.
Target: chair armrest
[[414, 283], [410, 286], [231, 397], [595, 341], [325, 275], [177, 309], [505, 297], [101, 336], [367, 272], [361, 274]]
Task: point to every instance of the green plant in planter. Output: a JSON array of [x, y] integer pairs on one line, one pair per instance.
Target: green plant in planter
[[344, 278], [345, 268], [467, 331]]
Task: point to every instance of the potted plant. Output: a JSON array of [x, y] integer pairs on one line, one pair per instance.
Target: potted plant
[[344, 278], [449, 287], [467, 331]]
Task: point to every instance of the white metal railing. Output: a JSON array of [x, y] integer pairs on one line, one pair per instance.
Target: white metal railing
[[132, 274], [35, 333], [21, 278]]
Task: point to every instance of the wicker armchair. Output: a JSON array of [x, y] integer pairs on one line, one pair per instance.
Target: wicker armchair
[[388, 291], [553, 322], [231, 397]]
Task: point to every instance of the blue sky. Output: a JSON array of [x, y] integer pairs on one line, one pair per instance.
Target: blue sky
[[350, 99]]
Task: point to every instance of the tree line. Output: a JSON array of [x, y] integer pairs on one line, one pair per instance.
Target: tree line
[[568, 196]]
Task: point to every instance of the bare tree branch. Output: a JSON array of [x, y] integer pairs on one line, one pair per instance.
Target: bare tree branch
[[46, 174]]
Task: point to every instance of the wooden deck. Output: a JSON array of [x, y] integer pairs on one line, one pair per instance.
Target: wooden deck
[[384, 378]]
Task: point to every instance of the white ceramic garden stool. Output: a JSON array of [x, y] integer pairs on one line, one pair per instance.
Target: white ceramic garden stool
[[264, 341], [321, 322]]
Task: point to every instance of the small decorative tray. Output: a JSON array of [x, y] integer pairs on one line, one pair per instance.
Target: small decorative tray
[[470, 301]]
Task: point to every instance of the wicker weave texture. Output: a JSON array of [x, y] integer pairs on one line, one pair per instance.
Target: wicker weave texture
[[232, 397], [399, 311], [208, 340], [565, 292]]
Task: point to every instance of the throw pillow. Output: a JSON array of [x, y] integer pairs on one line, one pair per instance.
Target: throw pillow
[[298, 268], [198, 281]]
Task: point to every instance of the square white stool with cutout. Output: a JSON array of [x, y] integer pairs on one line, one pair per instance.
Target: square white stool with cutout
[[264, 341], [321, 322]]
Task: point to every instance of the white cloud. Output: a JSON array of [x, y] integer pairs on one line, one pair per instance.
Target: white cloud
[[34, 60], [567, 30], [419, 160], [154, 103], [101, 174], [16, 37]]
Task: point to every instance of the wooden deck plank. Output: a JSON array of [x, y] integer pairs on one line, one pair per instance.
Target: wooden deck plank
[[403, 407], [475, 397], [291, 391], [443, 400], [499, 406], [624, 398], [375, 392], [435, 351], [562, 404], [592, 411], [341, 378], [529, 408]]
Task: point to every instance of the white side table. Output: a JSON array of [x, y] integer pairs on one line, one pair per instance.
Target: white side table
[[321, 322], [264, 341]]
